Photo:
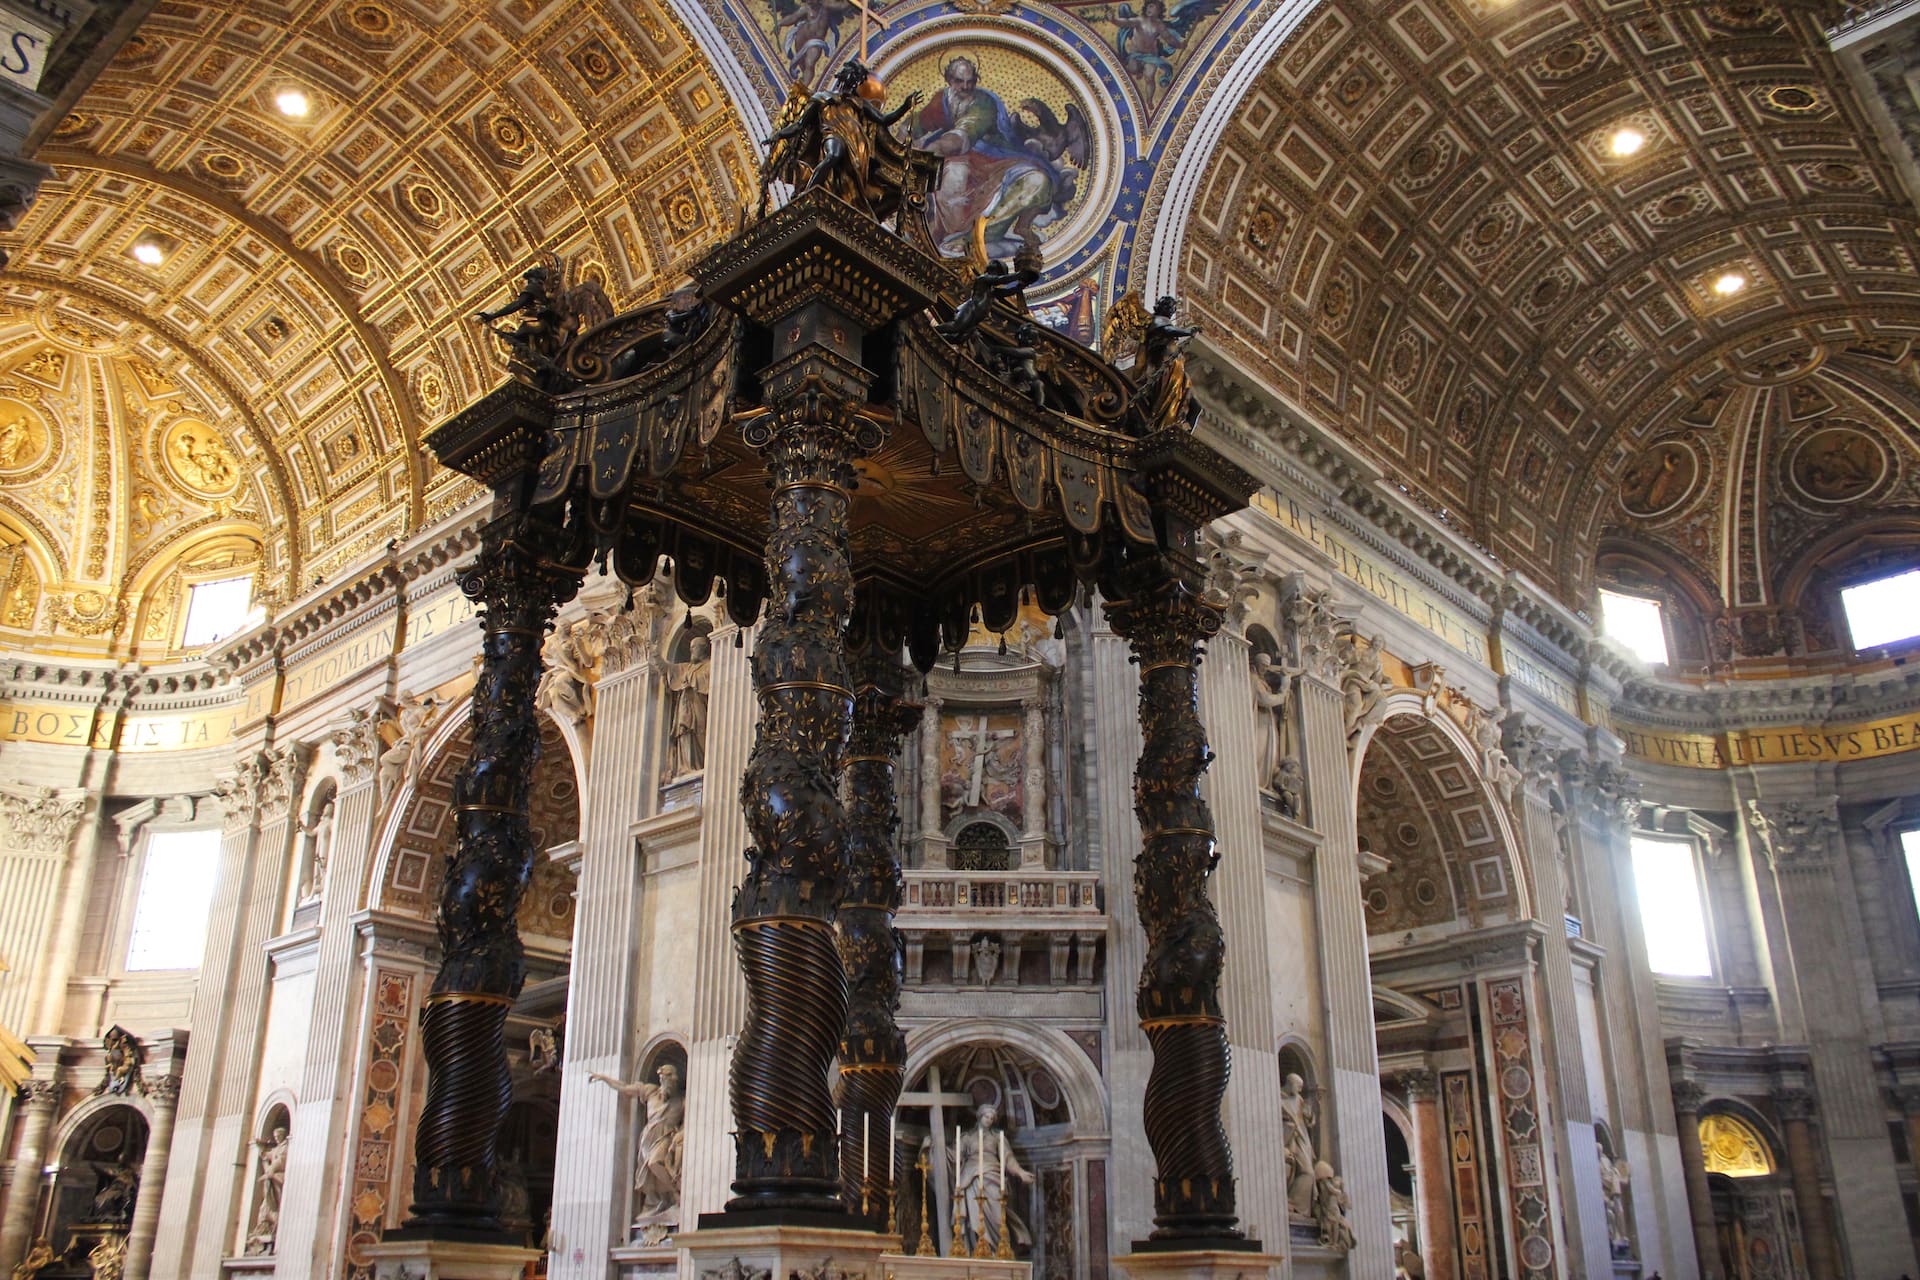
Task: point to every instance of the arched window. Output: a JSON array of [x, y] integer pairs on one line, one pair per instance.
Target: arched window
[[1733, 1148]]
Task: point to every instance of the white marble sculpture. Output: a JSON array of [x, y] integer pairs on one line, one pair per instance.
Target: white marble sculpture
[[1297, 1122], [660, 1153], [983, 1160], [689, 683]]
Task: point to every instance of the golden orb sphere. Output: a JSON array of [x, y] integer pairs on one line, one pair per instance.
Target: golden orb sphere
[[873, 90]]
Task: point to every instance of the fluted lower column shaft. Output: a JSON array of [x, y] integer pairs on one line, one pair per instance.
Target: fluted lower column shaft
[[1816, 1224], [873, 1050], [163, 1092], [930, 850], [594, 1154], [482, 963], [784, 1153], [41, 1098], [1693, 1162], [1178, 999]]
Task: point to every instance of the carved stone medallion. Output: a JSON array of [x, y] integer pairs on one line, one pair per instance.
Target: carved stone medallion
[[26, 440], [1660, 480], [1837, 464], [199, 460]]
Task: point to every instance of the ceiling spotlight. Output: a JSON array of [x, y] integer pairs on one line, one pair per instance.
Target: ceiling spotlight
[[1729, 284], [149, 251], [1627, 141], [293, 103]]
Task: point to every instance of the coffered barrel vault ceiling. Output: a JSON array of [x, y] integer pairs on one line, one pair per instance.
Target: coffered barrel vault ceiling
[[311, 308], [1418, 229]]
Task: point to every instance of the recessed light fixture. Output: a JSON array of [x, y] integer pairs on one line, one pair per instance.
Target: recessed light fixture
[[1729, 284], [149, 250], [293, 103], [1627, 141]]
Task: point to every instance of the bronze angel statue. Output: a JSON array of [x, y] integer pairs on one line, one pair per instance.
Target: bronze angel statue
[[550, 316]]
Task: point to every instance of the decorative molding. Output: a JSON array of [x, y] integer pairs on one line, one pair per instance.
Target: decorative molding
[[1688, 1097], [1796, 835], [1794, 1104], [238, 793], [357, 745], [281, 780], [43, 818]]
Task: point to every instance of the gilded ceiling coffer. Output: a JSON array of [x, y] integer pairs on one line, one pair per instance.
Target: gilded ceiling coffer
[[873, 1049], [483, 966], [792, 430]]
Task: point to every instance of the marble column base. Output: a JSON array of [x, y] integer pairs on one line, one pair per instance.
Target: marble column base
[[777, 1252], [1201, 1264], [448, 1260], [259, 1264], [643, 1261]]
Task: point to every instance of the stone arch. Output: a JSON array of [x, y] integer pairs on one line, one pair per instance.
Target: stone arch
[[1752, 1122], [98, 1156], [1079, 1079], [418, 829], [1405, 751]]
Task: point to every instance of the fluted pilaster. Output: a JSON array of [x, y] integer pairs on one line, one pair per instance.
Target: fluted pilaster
[[594, 1154]]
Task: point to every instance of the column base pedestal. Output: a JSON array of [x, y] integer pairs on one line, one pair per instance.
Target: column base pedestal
[[448, 1260], [1200, 1264], [777, 1252], [906, 1266]]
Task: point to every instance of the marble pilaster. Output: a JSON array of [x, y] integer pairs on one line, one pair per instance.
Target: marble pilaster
[[1431, 1159], [1810, 1198], [933, 845], [1581, 1205], [594, 1150], [1115, 841], [40, 1103], [720, 993], [163, 1093], [47, 846], [308, 1244], [1233, 793], [1800, 849], [1353, 1064]]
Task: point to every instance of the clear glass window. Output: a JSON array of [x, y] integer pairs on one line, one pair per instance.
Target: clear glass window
[[1884, 611], [1910, 845], [176, 896], [1670, 907], [1635, 622], [216, 610]]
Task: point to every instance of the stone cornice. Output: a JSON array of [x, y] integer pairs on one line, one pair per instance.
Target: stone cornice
[[1817, 698]]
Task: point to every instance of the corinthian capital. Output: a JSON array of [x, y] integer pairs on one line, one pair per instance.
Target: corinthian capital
[[238, 793], [281, 780], [42, 818], [1314, 628], [1795, 834], [356, 745]]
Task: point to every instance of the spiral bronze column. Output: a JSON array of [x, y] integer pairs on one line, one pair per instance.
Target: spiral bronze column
[[873, 1050], [1166, 623], [482, 965], [784, 1156]]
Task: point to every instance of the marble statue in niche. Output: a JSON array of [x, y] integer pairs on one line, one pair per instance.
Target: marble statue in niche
[[1330, 1208], [983, 1160], [660, 1153], [689, 682], [1298, 1119], [318, 832], [1614, 1178], [1273, 705], [270, 1181]]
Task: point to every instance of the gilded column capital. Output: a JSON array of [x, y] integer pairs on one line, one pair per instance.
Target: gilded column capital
[[163, 1089], [1420, 1084], [1796, 835], [42, 819], [41, 1093], [1794, 1103]]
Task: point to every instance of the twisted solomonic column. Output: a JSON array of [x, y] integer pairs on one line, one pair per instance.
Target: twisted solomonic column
[[482, 964], [783, 913], [873, 1049], [1166, 624]]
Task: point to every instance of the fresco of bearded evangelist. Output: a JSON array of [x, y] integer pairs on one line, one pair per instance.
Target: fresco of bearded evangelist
[[1019, 166]]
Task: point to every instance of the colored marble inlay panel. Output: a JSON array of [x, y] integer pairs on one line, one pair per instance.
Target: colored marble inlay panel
[[378, 1135], [1513, 1078], [1463, 1156]]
